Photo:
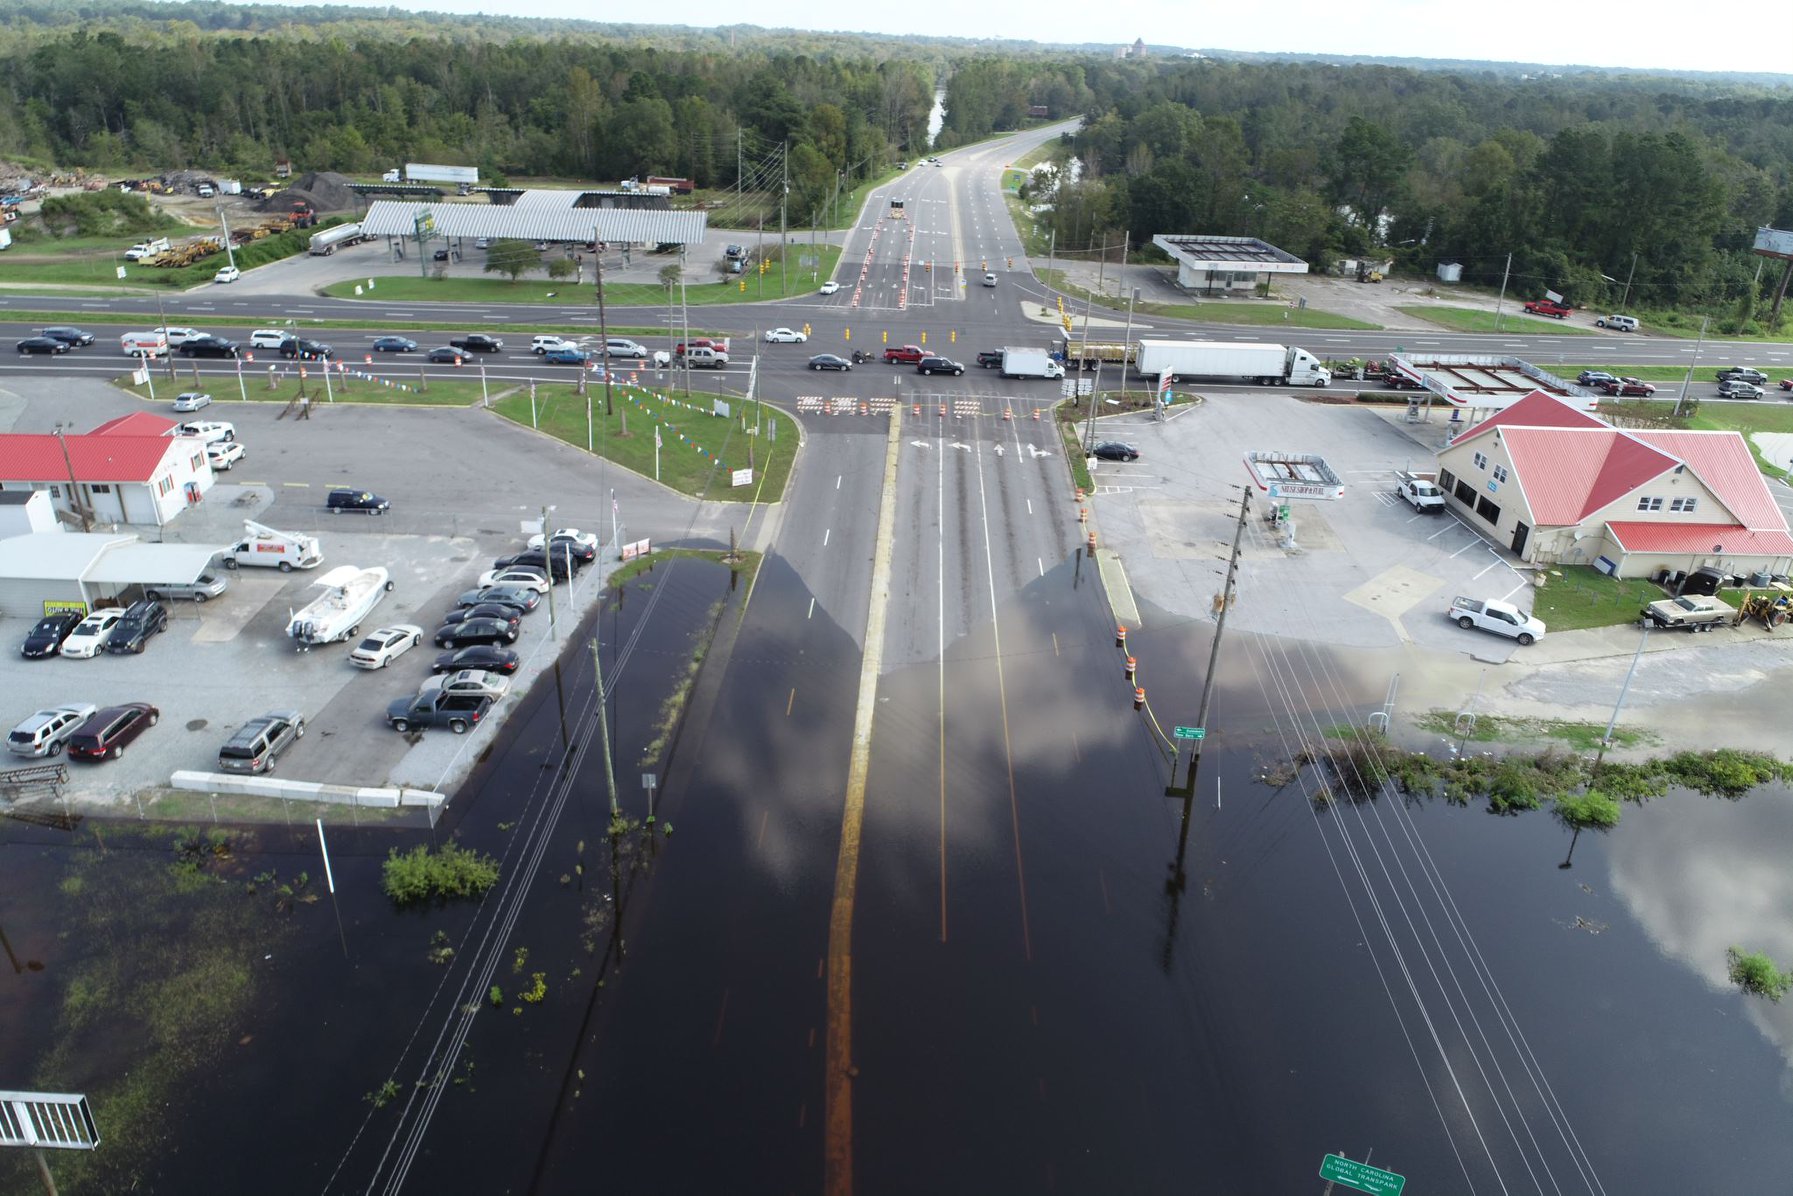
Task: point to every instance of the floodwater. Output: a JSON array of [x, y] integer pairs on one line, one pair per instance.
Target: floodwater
[[1047, 997]]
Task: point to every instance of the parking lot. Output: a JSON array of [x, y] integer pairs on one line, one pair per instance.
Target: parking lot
[[1363, 571], [463, 484]]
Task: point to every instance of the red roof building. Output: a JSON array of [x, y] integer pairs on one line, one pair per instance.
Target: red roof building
[[1558, 485], [127, 470]]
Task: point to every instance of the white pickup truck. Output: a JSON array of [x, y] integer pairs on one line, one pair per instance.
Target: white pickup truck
[[1693, 613], [147, 249], [1420, 490], [1502, 618]]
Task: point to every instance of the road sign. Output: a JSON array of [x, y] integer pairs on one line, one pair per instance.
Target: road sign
[[1191, 732], [1361, 1176]]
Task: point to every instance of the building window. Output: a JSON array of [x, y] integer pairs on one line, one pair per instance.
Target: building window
[[1684, 505], [164, 486], [195, 462], [1649, 504], [101, 488], [1500, 473], [1481, 461], [1487, 510], [1447, 481]]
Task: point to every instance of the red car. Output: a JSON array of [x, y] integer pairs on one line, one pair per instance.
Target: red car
[[1787, 383], [1544, 307], [1630, 388], [905, 355], [700, 342]]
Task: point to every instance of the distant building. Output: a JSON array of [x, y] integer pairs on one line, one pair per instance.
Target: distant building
[[1139, 48], [1213, 264]]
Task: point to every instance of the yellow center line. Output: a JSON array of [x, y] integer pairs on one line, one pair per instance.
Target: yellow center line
[[837, 1154]]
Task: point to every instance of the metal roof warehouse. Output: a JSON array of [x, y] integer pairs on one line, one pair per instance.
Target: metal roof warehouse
[[545, 219]]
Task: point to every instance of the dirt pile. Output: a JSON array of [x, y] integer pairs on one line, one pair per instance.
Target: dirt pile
[[325, 192]]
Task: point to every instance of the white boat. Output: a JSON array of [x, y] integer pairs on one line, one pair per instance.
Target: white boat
[[346, 594]]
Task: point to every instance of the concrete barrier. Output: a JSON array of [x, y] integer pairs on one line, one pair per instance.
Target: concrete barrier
[[347, 795]]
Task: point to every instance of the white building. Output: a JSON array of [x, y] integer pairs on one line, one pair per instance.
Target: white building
[[127, 470]]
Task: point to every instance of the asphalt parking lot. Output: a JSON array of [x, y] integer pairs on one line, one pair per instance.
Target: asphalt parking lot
[[1364, 571], [463, 483]]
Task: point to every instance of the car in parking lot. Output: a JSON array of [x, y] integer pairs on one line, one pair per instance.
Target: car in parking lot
[[258, 743], [618, 346], [556, 566], [68, 334], [207, 346], [1628, 388], [534, 579], [829, 361], [582, 549], [1115, 450], [830, 287], [989, 359], [459, 712], [46, 636], [785, 336], [446, 355], [208, 430], [106, 733], [938, 365], [1595, 378], [499, 611], [522, 598], [42, 344], [583, 539], [227, 274], [303, 348], [467, 681], [44, 733], [386, 645], [1502, 618], [394, 344], [222, 455], [142, 619], [488, 657], [347, 498], [566, 355], [476, 631], [89, 638], [192, 400], [202, 589]]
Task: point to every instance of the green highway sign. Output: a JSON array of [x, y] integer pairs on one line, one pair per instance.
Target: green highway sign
[[1191, 732], [1361, 1176]]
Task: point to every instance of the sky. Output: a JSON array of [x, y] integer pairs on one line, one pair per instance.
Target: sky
[[1655, 34]]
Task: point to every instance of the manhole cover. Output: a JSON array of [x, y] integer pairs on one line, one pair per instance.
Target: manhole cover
[[198, 724]]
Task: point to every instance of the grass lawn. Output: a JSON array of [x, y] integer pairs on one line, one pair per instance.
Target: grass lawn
[[225, 391], [1257, 312], [775, 283], [697, 451], [1584, 597], [1470, 319], [1491, 728]]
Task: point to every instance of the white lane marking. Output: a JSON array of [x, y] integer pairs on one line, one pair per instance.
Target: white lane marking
[[826, 532], [812, 609], [837, 478], [1041, 565]]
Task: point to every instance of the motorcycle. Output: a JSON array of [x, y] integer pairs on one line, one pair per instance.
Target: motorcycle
[[860, 357]]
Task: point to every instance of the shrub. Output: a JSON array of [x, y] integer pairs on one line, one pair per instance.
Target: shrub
[[1755, 973], [419, 875], [1726, 772]]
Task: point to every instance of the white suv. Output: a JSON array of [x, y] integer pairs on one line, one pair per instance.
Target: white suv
[[547, 344], [1617, 323], [267, 338]]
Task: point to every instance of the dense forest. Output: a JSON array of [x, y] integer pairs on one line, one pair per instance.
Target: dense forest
[[1590, 183], [1606, 187]]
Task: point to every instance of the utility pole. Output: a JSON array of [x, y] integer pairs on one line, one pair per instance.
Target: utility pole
[[1633, 274], [1502, 301], [548, 556], [74, 489], [1225, 602], [784, 195], [1606, 739], [597, 269], [1687, 382], [597, 664]]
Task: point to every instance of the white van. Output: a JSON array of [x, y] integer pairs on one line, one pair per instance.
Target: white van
[[144, 344], [267, 338]]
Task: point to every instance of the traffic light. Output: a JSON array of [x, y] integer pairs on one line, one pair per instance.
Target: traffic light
[[924, 338], [953, 337], [743, 286]]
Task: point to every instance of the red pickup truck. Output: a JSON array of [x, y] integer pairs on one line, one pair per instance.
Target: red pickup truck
[[1544, 307], [906, 354]]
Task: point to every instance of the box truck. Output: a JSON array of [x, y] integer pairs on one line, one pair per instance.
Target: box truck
[[1030, 363], [1267, 365]]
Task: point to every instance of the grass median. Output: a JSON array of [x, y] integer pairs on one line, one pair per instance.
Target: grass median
[[1472, 319], [698, 451], [285, 388]]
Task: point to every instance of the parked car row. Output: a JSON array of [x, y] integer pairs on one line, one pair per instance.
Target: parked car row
[[83, 730], [116, 630]]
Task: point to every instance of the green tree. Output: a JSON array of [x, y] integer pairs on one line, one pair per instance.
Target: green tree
[[1755, 973], [511, 256], [1579, 812]]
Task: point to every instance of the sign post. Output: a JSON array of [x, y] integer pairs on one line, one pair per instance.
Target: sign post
[[1190, 732], [1361, 1176]]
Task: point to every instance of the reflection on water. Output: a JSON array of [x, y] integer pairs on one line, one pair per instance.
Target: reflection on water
[[937, 116], [1704, 874]]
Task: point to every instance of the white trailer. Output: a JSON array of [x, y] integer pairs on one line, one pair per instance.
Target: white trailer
[[1030, 363], [1267, 365], [270, 548], [327, 242], [348, 595]]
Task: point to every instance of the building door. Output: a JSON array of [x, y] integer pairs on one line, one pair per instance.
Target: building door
[[1519, 535]]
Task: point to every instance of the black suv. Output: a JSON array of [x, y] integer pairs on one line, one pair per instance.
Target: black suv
[[989, 359], [142, 619], [46, 638], [534, 558], [207, 346], [344, 499], [68, 335], [298, 346], [938, 365]]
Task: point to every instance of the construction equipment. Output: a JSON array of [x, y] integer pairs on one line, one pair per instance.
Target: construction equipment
[[1770, 610], [1365, 274], [303, 215]]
